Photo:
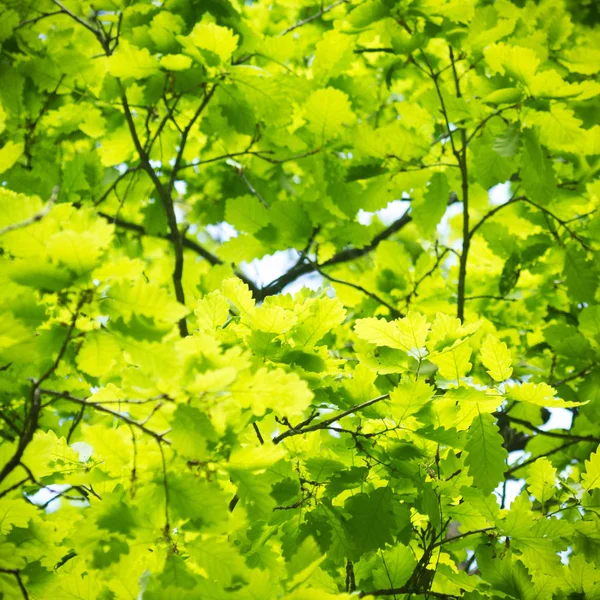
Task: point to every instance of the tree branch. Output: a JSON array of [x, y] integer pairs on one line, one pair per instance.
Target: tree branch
[[17, 575], [461, 157], [531, 460], [101, 408], [35, 405], [186, 243], [343, 256], [553, 434], [257, 153], [327, 422], [393, 311], [317, 15], [167, 202], [37, 217]]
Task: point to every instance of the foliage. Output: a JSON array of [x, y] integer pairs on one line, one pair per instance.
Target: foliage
[[175, 427]]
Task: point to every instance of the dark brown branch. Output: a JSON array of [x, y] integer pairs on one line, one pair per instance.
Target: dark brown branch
[[114, 184], [167, 202], [13, 487], [327, 422], [39, 18], [97, 33], [393, 311], [257, 153], [367, 50], [35, 404], [492, 212], [17, 575], [461, 158], [99, 407], [561, 222], [463, 535], [186, 243], [489, 297], [531, 460], [553, 434], [258, 433], [186, 132], [483, 123], [347, 255], [583, 373]]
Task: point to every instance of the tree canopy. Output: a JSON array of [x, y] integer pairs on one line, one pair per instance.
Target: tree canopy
[[180, 421]]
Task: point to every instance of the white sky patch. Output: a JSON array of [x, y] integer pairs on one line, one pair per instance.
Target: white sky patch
[[560, 418], [500, 193], [222, 232], [393, 211], [180, 187]]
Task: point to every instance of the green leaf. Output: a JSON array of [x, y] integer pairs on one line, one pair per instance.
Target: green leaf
[[98, 354], [397, 565], [10, 154], [327, 111], [429, 211], [247, 213], [580, 275], [541, 480], [591, 478], [218, 558], [131, 62], [510, 275], [408, 334], [409, 398], [147, 299], [486, 458], [190, 431], [540, 394], [496, 357], [536, 170], [372, 520], [211, 311]]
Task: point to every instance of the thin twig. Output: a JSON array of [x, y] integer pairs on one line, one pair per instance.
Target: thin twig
[[327, 422], [37, 217], [317, 15], [186, 242], [99, 407]]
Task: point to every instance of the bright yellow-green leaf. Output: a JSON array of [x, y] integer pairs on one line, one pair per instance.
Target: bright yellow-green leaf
[[10, 154], [541, 480], [408, 334], [219, 41], [98, 353], [131, 62], [409, 397], [256, 458], [540, 394], [15, 513], [496, 357], [453, 363], [211, 311], [247, 213], [143, 298], [591, 478], [112, 448], [277, 390], [517, 62], [487, 456], [239, 294], [176, 62], [316, 317], [327, 111]]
